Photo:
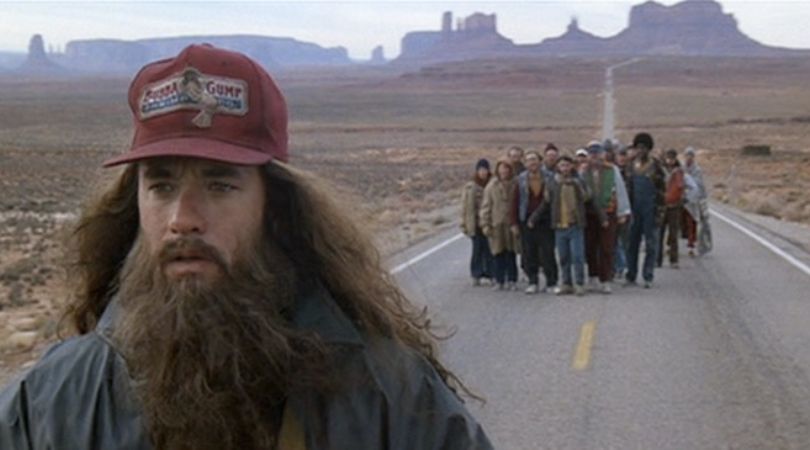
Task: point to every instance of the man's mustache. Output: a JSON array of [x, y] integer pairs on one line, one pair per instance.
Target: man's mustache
[[190, 248]]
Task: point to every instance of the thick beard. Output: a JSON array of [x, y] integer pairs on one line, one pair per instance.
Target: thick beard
[[213, 361]]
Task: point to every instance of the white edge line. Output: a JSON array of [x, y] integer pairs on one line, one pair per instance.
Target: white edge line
[[425, 254], [789, 258]]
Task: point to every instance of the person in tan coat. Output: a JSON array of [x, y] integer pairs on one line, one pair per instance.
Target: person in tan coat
[[495, 223], [481, 262]]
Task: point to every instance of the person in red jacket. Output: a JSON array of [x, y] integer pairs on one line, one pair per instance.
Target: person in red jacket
[[673, 201]]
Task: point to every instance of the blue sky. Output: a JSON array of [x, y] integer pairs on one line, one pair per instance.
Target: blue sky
[[357, 25]]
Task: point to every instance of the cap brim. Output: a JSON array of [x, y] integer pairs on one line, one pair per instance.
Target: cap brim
[[193, 148]]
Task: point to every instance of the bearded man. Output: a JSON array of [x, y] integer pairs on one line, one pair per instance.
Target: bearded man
[[225, 302]]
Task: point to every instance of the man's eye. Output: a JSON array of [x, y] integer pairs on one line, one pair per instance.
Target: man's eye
[[161, 188], [221, 186]]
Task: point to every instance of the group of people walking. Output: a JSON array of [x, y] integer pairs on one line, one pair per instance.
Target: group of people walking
[[566, 215]]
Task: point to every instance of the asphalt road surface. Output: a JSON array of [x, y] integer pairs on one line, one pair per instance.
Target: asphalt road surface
[[715, 356]]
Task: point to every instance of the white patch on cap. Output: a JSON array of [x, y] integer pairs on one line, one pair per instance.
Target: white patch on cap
[[194, 90]]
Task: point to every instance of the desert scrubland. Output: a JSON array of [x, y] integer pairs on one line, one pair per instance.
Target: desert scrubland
[[401, 143]]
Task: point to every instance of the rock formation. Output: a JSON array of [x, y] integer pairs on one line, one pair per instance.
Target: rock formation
[[475, 36], [573, 41], [37, 63], [378, 55], [126, 57], [691, 27]]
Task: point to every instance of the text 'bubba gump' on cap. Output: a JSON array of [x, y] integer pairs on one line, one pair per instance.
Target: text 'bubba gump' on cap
[[207, 103]]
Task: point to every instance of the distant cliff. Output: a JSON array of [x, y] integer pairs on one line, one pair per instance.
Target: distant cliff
[[474, 36], [117, 56], [692, 27]]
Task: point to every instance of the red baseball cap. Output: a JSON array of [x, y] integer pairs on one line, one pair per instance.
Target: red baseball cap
[[207, 103]]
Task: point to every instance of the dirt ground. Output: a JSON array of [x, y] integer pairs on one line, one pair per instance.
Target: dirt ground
[[400, 146]]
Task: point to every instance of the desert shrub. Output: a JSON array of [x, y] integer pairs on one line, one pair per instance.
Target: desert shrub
[[762, 202], [756, 150]]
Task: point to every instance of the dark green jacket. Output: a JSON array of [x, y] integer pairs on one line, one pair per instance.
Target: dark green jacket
[[77, 397]]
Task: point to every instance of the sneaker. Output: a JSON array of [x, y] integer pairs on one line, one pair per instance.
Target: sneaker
[[565, 289], [594, 285], [532, 289], [630, 283], [606, 288], [579, 290], [675, 266], [691, 253], [497, 287], [647, 284], [476, 282], [512, 286]]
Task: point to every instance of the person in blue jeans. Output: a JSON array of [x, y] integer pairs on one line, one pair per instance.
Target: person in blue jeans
[[646, 188], [567, 197]]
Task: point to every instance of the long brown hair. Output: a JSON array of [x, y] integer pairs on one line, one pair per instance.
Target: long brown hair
[[321, 240]]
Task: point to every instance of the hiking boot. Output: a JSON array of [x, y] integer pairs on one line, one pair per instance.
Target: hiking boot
[[579, 290], [532, 289], [606, 289], [565, 289]]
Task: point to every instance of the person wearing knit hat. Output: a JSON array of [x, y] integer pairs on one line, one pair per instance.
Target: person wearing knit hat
[[224, 300], [481, 262]]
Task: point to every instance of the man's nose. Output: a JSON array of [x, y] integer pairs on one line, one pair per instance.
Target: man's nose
[[188, 214]]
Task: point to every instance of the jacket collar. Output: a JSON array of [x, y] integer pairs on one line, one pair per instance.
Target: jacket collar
[[314, 310]]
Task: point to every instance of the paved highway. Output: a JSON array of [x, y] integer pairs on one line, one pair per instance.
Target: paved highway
[[716, 355]]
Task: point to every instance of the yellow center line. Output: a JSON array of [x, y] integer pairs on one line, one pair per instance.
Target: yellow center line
[[582, 357]]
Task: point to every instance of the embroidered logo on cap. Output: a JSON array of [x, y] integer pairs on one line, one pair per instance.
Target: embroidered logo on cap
[[194, 90]]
